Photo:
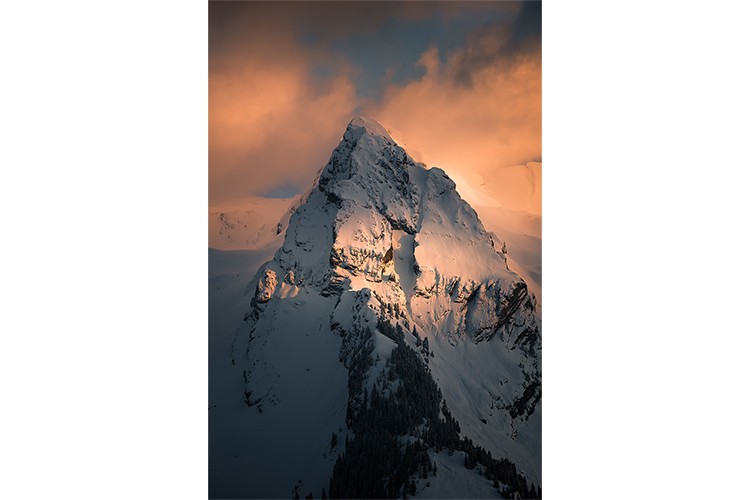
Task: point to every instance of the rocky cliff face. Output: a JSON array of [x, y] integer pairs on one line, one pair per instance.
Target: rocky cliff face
[[377, 217], [382, 247]]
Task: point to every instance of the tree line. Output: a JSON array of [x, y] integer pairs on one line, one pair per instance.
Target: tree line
[[394, 426]]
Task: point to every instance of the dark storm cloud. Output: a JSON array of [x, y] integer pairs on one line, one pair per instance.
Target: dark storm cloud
[[528, 27], [314, 22], [381, 41], [501, 42]]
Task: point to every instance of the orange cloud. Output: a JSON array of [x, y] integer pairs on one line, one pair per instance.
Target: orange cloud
[[269, 123], [486, 131], [476, 112]]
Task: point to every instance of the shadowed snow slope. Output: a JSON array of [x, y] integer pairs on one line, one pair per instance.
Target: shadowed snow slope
[[381, 256]]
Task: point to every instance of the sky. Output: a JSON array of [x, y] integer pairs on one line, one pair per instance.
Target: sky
[[458, 84]]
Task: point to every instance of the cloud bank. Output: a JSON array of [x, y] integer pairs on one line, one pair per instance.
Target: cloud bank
[[280, 95]]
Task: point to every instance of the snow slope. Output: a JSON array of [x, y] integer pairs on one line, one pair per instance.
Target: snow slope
[[521, 231], [379, 240], [522, 234], [453, 480]]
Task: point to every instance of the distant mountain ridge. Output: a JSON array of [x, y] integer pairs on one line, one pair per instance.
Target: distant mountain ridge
[[247, 225]]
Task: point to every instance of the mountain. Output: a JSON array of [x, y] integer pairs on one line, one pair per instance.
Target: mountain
[[256, 226], [386, 349], [522, 234], [250, 224]]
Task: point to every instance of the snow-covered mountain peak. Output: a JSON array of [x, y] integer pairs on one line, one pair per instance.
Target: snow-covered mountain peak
[[361, 125], [387, 293], [377, 219]]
